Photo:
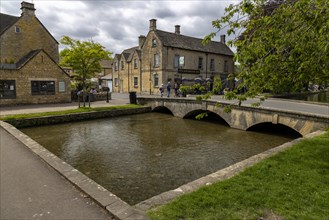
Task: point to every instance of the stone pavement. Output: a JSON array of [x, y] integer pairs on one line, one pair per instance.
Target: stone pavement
[[30, 189]]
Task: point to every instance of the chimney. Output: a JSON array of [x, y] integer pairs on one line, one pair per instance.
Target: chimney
[[177, 29], [27, 8], [141, 40], [222, 39], [153, 24]]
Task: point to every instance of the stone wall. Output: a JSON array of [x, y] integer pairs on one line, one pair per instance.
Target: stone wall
[[33, 35], [39, 68]]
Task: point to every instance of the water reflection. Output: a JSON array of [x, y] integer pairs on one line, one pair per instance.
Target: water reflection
[[139, 156]]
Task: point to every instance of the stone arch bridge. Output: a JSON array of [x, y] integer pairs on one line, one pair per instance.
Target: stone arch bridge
[[240, 117]]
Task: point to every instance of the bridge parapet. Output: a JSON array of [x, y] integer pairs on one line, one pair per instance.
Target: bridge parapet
[[240, 117]]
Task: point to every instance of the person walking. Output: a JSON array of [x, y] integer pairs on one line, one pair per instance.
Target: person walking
[[168, 89], [176, 90], [161, 90]]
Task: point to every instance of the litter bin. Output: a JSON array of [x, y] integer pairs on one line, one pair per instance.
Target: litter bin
[[132, 98]]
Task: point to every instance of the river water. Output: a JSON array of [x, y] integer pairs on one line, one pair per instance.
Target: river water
[[139, 156]]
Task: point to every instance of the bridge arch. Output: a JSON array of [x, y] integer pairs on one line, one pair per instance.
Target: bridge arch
[[210, 116], [278, 128], [162, 109]]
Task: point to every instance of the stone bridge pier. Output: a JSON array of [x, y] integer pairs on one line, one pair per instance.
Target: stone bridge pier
[[240, 117]]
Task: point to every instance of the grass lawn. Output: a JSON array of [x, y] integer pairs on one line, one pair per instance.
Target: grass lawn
[[70, 111], [293, 184]]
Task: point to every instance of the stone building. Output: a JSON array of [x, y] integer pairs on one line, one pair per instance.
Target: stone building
[[29, 70], [170, 56]]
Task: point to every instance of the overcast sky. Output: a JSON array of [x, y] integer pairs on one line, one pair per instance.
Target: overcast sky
[[117, 24]]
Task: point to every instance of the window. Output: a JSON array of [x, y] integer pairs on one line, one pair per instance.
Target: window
[[154, 43], [17, 29], [116, 81], [116, 66], [212, 65], [61, 86], [200, 65], [135, 63], [181, 61], [225, 66], [156, 80], [156, 60], [43, 87], [135, 82], [176, 61], [7, 89], [122, 65]]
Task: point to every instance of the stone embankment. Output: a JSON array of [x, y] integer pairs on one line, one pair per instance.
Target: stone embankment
[[57, 119]]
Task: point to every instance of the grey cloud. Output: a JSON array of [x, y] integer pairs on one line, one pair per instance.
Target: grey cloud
[[117, 24], [164, 13]]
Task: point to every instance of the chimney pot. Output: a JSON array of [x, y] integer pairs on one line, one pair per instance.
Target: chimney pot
[[177, 29], [153, 24], [27, 8], [222, 39]]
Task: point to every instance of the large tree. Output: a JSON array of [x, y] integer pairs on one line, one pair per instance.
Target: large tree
[[84, 58], [282, 45]]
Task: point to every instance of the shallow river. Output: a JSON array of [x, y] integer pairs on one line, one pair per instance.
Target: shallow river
[[139, 156]]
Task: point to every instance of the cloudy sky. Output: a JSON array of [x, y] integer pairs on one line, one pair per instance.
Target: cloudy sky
[[116, 24]]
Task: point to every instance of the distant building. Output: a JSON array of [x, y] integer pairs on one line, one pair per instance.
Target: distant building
[[29, 70], [164, 56]]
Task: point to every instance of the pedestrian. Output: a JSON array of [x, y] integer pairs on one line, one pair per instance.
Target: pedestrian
[[168, 89], [176, 89], [161, 90]]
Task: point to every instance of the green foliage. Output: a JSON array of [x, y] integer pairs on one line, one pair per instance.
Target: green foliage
[[217, 87], [290, 185], [198, 88], [283, 46], [185, 89], [83, 57], [201, 116]]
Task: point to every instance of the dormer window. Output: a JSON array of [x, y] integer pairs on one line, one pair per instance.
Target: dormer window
[[17, 29], [154, 42]]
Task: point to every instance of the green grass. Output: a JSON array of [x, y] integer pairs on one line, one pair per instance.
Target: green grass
[[293, 184], [65, 112]]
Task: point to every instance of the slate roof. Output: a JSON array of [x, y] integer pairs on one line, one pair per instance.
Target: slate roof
[[128, 53], [25, 59], [190, 43], [6, 21]]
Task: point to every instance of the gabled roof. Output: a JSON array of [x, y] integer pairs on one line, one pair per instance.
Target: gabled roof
[[6, 21], [128, 53], [117, 56], [190, 43], [28, 57], [25, 59]]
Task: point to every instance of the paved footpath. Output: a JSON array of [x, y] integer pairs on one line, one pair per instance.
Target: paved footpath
[[30, 189]]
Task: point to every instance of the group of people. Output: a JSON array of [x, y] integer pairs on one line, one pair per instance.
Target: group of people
[[168, 88]]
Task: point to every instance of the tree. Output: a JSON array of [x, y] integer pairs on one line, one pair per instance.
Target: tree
[[282, 45], [84, 58]]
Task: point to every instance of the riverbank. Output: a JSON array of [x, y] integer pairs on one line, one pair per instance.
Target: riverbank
[[291, 185], [71, 115]]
